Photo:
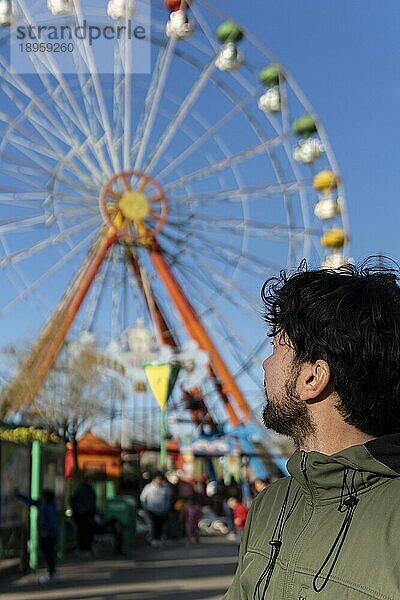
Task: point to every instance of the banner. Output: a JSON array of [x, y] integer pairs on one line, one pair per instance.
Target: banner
[[162, 378]]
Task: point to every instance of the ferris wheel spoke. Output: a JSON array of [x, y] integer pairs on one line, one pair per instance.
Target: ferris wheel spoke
[[88, 200], [49, 61], [253, 265], [186, 106], [118, 98], [31, 200], [43, 120], [152, 102], [34, 157], [34, 154], [98, 90], [155, 216], [56, 267], [77, 213], [208, 134], [127, 181], [27, 144], [223, 164], [216, 280], [17, 257], [39, 304], [37, 142], [246, 365], [24, 177], [245, 193], [234, 337], [232, 340], [9, 226], [95, 296], [81, 150], [27, 174], [96, 139], [238, 227], [127, 123]]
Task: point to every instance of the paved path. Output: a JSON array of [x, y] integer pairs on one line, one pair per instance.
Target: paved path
[[176, 572]]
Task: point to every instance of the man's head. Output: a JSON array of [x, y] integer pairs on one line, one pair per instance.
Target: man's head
[[158, 478], [47, 496], [336, 334]]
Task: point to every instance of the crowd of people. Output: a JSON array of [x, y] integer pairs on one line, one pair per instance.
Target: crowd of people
[[175, 506]]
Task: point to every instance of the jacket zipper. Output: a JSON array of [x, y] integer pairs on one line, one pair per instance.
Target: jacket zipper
[[288, 585], [303, 466]]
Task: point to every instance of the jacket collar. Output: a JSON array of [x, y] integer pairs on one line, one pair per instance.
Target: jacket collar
[[322, 476]]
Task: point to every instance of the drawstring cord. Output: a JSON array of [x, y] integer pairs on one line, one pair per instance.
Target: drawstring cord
[[276, 543], [347, 504]]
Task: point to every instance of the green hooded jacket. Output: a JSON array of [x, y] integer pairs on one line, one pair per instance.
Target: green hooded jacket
[[331, 531]]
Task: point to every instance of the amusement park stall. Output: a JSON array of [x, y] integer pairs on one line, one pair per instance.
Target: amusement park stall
[[30, 460]]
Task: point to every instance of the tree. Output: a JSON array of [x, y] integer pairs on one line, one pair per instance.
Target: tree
[[75, 394]]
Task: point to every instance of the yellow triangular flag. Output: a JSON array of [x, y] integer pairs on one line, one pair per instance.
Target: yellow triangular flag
[[158, 377]]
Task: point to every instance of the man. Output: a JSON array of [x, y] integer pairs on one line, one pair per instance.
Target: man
[[48, 529], [83, 503], [156, 499], [332, 383]]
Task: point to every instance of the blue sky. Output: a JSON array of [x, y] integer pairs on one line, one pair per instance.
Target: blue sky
[[345, 55]]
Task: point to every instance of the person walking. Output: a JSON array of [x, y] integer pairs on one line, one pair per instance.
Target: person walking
[[48, 529], [156, 499], [192, 513], [332, 383], [232, 490], [83, 504]]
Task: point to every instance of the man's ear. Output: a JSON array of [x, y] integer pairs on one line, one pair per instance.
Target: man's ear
[[313, 380]]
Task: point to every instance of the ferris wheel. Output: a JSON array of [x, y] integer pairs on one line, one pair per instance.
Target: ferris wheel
[[168, 197]]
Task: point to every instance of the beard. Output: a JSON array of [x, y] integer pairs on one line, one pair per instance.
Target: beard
[[289, 415]]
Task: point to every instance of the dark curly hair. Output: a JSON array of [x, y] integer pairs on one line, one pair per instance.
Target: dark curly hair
[[349, 317]]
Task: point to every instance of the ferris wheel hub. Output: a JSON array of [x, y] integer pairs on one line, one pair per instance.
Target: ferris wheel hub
[[134, 205]]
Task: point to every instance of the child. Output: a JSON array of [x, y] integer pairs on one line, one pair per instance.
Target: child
[[240, 513], [48, 529], [192, 513]]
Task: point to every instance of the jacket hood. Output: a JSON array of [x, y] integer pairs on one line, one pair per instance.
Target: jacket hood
[[321, 475]]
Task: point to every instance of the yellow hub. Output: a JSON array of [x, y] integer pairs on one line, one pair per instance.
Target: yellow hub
[[134, 206]]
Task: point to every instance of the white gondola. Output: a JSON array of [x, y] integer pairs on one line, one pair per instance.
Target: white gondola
[[179, 27], [60, 8], [119, 9], [230, 58], [335, 261], [328, 207], [8, 14], [308, 151], [271, 101]]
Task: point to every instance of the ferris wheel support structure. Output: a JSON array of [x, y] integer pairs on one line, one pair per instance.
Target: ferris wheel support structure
[[50, 343], [199, 415], [198, 332]]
